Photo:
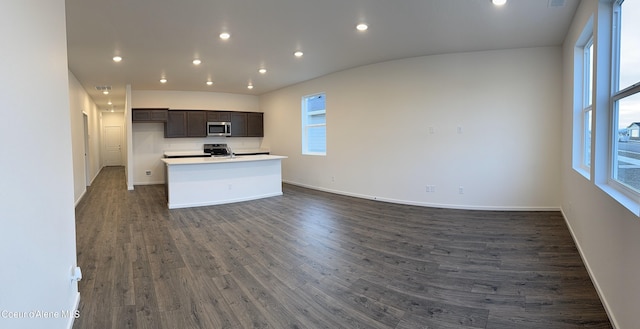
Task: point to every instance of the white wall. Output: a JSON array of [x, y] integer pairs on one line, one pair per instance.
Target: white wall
[[379, 117], [79, 103], [149, 143], [606, 233], [37, 224]]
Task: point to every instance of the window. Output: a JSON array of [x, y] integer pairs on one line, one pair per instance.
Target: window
[[314, 125], [587, 104], [583, 110], [625, 102]]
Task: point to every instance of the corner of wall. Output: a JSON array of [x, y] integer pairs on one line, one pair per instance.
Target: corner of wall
[[129, 140]]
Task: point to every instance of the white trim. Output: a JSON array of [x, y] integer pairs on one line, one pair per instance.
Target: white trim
[[85, 189], [149, 183], [610, 183], [580, 72], [96, 175], [76, 307], [305, 115], [426, 204], [84, 192], [315, 153], [617, 191], [604, 301]]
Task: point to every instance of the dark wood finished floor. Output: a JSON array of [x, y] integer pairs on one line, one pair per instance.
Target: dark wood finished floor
[[315, 260]]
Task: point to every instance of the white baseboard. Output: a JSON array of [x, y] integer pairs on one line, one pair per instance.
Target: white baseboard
[[76, 306], [150, 183], [95, 176], [425, 204], [603, 299], [80, 198], [85, 189]]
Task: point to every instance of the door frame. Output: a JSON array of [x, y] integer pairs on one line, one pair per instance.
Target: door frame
[[87, 150]]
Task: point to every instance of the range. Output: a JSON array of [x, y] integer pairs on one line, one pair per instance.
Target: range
[[218, 150], [208, 150]]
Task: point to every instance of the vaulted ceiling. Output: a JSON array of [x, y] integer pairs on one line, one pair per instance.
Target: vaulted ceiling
[[161, 38]]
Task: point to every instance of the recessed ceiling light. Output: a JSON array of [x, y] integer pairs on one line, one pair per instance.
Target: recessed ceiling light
[[105, 92], [117, 59], [298, 53], [250, 86], [262, 70], [209, 83], [197, 62], [362, 27], [109, 103], [163, 80], [225, 36], [499, 2]]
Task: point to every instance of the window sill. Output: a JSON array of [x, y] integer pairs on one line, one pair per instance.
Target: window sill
[[584, 172], [631, 204]]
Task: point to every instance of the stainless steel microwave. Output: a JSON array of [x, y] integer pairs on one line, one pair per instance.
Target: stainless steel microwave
[[218, 128]]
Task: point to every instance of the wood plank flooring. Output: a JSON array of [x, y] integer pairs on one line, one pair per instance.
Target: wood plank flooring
[[310, 259]]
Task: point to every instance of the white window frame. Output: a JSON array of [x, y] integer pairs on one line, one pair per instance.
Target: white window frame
[[587, 106], [584, 88], [622, 193], [306, 126]]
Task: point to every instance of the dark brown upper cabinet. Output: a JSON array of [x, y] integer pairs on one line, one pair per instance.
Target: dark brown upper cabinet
[[149, 115], [176, 124], [196, 124], [218, 116], [247, 124], [255, 124], [193, 123], [182, 123], [238, 124]]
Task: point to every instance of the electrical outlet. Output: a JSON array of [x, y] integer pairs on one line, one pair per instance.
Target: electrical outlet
[[461, 190], [333, 178], [431, 188], [148, 172]]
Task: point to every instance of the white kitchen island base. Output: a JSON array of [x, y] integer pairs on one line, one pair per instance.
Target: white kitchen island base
[[195, 182]]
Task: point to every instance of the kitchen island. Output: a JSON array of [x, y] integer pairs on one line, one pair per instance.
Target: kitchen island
[[205, 181]]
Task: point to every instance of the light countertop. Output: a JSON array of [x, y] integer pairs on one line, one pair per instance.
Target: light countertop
[[201, 152], [184, 153], [220, 160]]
